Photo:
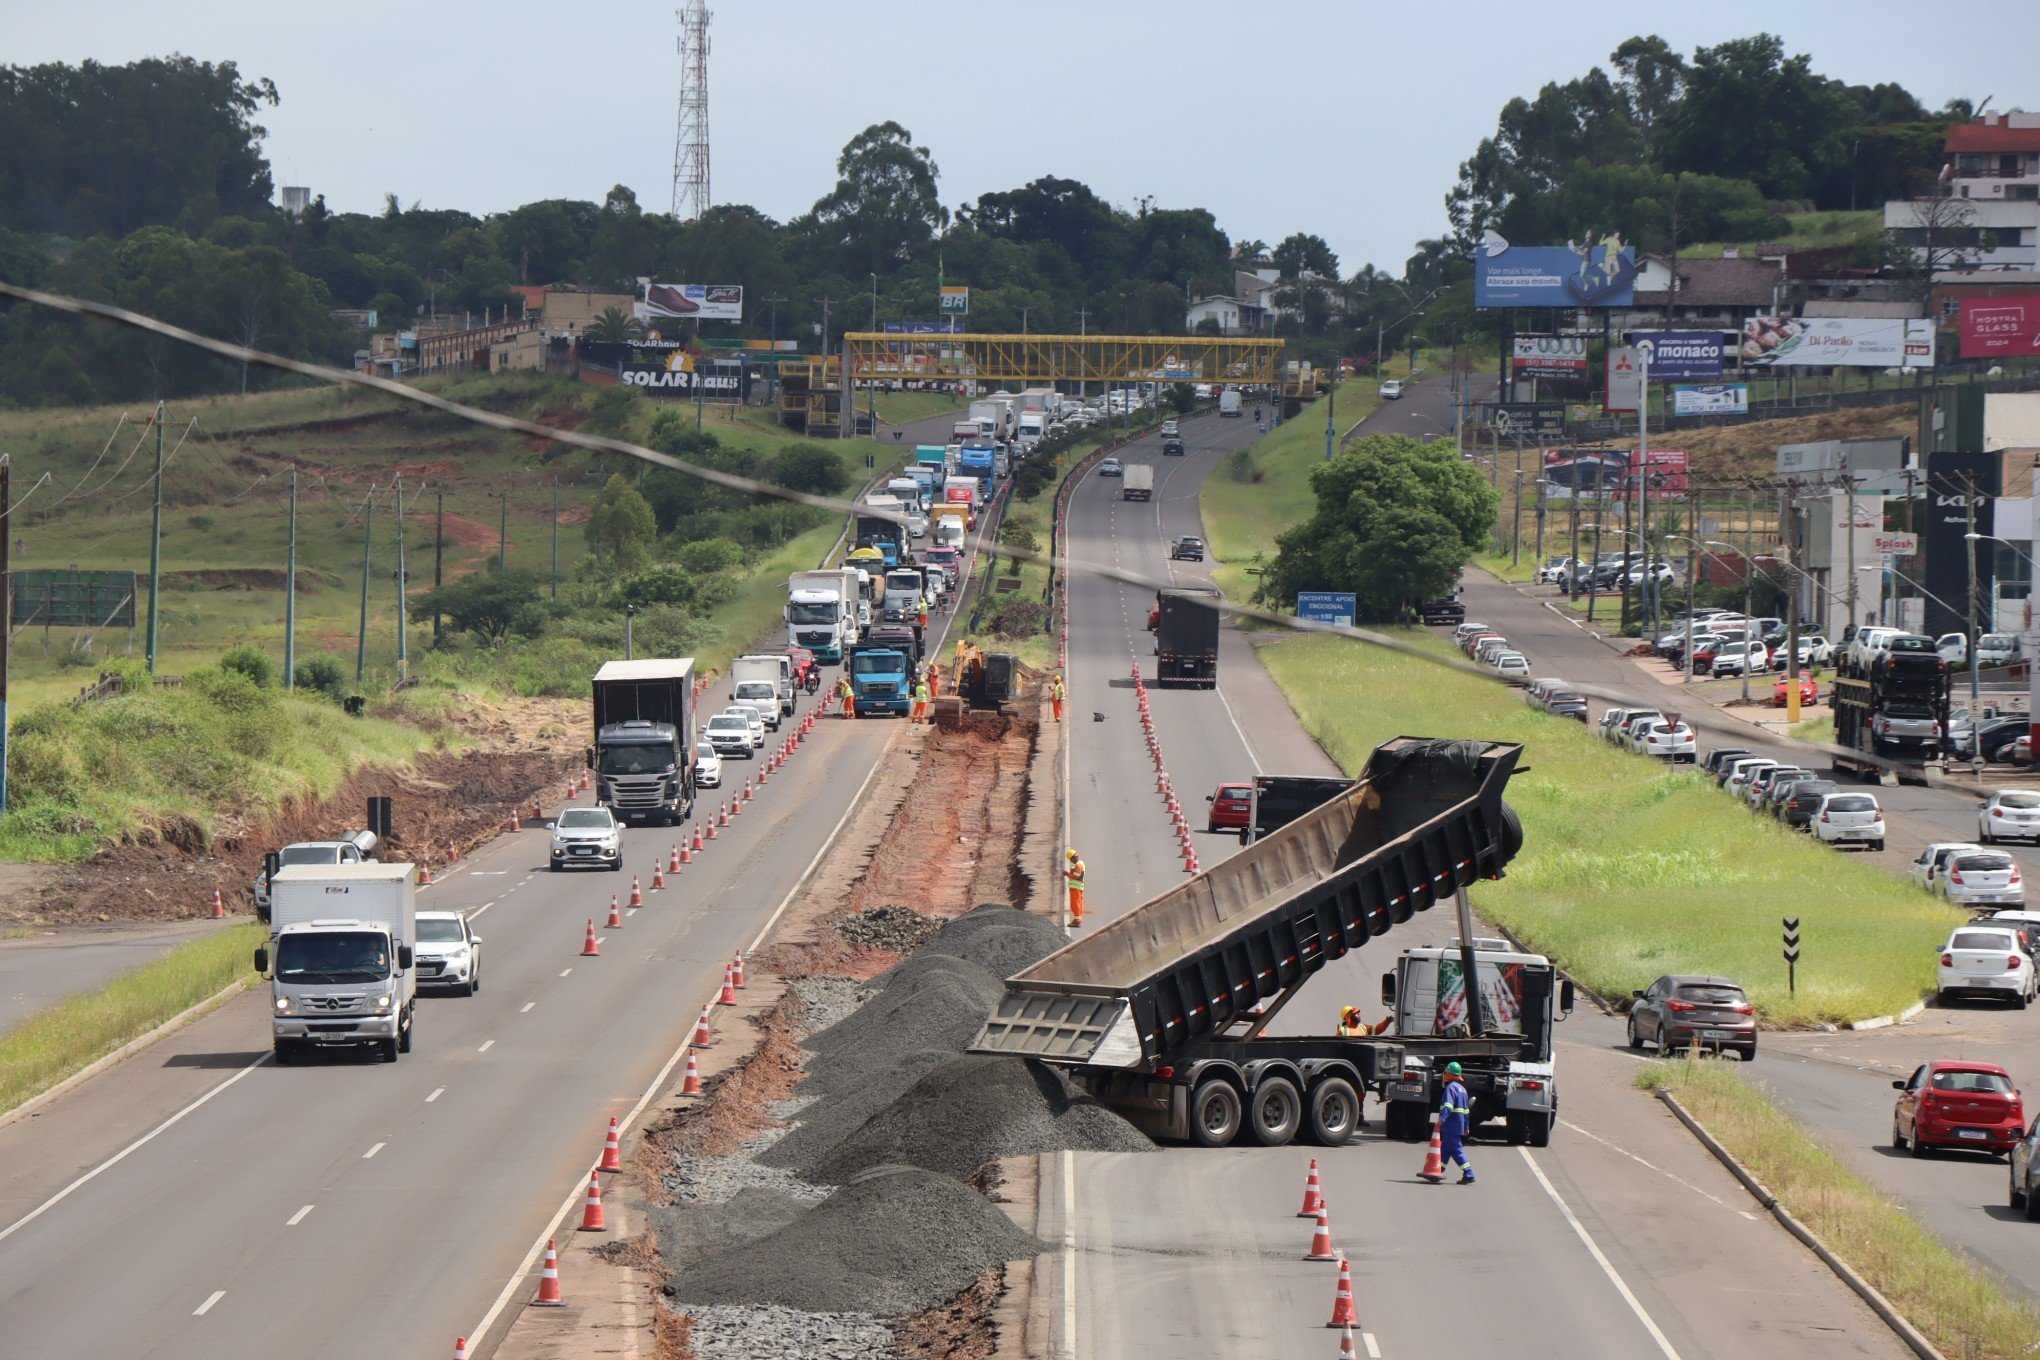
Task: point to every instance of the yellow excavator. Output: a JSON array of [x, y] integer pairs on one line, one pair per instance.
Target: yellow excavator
[[978, 680]]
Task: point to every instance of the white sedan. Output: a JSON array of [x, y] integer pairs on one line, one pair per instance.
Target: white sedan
[[449, 953], [707, 766], [1933, 861], [1985, 961], [1849, 819], [1668, 741], [1982, 878], [2009, 815]]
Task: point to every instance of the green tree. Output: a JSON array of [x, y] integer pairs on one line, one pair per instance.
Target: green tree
[[1751, 112], [884, 206], [810, 468], [1652, 77], [614, 326], [1396, 519], [490, 605], [1305, 252], [621, 525]]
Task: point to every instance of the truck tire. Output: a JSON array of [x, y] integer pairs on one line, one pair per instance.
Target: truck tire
[[286, 1052], [387, 1050], [1276, 1112], [1214, 1112], [1334, 1114], [403, 1038], [1538, 1127], [1406, 1121]]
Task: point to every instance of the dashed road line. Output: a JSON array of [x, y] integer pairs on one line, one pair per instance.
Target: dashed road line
[[1586, 1133], [525, 1009], [372, 1151], [486, 1046], [1593, 1249], [565, 971], [437, 1092], [297, 1217], [211, 1299]]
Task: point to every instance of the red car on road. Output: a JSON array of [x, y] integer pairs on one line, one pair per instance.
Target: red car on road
[[1231, 807], [1809, 692], [807, 672], [1946, 1104]]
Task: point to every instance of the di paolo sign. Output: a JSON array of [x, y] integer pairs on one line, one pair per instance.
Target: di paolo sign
[[1327, 606]]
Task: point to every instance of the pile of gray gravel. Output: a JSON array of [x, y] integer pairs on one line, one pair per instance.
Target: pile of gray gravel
[[826, 1000], [971, 1109], [695, 1179], [893, 927], [894, 1240], [725, 1333]]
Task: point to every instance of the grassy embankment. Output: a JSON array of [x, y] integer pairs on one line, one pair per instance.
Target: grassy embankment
[[1964, 1310], [1628, 870], [71, 1035], [1265, 488]]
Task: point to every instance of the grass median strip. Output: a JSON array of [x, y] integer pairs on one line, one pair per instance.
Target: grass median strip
[[1964, 1310], [66, 1038], [1630, 870]]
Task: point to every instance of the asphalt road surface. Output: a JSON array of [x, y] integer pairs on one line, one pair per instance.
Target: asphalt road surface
[[199, 1201], [39, 971], [1622, 1239], [1840, 1084]]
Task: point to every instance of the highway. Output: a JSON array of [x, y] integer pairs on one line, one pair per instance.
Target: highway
[[1840, 1084], [199, 1201], [40, 970], [1622, 1239]]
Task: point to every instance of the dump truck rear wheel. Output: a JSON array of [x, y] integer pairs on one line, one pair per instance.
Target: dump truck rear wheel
[[1277, 1110], [1214, 1112], [1334, 1112]]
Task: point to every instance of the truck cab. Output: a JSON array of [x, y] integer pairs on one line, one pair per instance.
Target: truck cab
[[643, 753], [339, 958], [881, 677]]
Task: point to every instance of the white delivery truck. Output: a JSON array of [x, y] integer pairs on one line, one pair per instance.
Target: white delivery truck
[[339, 957], [990, 417], [821, 611], [754, 684], [1229, 402], [906, 490], [1137, 482], [1033, 427]]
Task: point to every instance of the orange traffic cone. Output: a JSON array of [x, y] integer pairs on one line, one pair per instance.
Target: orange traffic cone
[[584, 781], [729, 989], [711, 823], [615, 914], [1321, 1240], [1313, 1195], [424, 875], [747, 788], [696, 847], [1342, 1302], [737, 970], [588, 949], [612, 1153], [549, 1280], [1346, 1351], [692, 1085], [686, 855], [515, 825], [460, 1348], [219, 908], [658, 876], [724, 815], [702, 1038], [536, 815], [673, 860], [591, 1211], [1434, 1159], [637, 894]]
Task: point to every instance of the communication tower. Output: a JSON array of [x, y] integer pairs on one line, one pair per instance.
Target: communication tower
[[690, 149]]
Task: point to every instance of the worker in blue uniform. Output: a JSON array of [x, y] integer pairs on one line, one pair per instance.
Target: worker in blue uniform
[[1455, 1117]]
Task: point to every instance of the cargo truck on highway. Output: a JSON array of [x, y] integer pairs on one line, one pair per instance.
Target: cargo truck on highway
[[1137, 482], [1229, 402], [821, 611], [1186, 637], [643, 753], [1163, 1013], [1893, 710], [339, 958], [881, 676]]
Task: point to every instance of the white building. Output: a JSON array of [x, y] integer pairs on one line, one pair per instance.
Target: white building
[[1988, 211]]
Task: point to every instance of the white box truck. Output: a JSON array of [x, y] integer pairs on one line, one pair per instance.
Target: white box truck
[[339, 958], [1229, 402], [821, 611], [755, 684], [1033, 428], [1137, 482]]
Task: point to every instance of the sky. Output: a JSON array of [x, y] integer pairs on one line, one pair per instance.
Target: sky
[[1348, 119]]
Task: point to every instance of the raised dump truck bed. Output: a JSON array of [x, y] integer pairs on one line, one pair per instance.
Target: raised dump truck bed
[[1425, 819]]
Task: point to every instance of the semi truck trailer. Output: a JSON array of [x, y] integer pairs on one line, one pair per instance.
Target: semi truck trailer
[[1163, 1013], [643, 753], [1186, 638]]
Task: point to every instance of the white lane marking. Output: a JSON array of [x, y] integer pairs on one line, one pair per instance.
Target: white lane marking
[[565, 971], [372, 1151], [121, 1156], [488, 873], [526, 1007], [486, 1046], [658, 1083], [1607, 1267], [482, 908], [1586, 1133], [1373, 1347], [297, 1217], [211, 1299], [437, 1092], [601, 940], [1069, 1265]]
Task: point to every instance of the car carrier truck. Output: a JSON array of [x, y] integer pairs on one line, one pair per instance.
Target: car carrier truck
[[1893, 711], [1163, 1013]]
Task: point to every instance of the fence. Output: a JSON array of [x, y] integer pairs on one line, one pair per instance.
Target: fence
[[106, 686], [1811, 403]]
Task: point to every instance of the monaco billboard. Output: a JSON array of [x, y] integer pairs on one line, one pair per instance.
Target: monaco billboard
[[2000, 326]]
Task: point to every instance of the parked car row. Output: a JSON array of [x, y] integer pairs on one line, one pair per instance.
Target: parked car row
[[1725, 643], [1488, 647], [1649, 732], [1799, 798]]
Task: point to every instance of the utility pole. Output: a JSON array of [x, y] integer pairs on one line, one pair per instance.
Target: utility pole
[[1516, 531], [290, 593], [1331, 406], [438, 561], [367, 543], [403, 620], [1969, 542], [556, 539], [774, 302], [1787, 496], [156, 542], [6, 609], [503, 534], [1849, 518]]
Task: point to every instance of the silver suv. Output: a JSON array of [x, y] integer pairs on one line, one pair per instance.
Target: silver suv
[[587, 836], [356, 849]]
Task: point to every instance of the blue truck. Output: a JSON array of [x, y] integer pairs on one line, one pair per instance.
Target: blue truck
[[977, 460], [881, 675]]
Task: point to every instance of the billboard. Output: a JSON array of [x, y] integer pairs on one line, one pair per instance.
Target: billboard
[[1577, 275], [1551, 356], [74, 599], [1681, 356], [1531, 419], [918, 327], [1959, 486], [1612, 473], [1327, 606], [955, 299], [1711, 399], [1991, 327], [1664, 475], [695, 301], [678, 373], [1848, 341], [1625, 379]]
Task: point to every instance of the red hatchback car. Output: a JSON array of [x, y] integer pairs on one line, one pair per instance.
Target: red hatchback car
[[1231, 807], [1957, 1105], [1809, 692]]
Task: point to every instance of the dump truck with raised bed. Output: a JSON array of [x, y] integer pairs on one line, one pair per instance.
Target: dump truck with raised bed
[[1163, 1013]]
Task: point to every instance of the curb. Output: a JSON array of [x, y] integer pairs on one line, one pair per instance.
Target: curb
[[1892, 1318], [1886, 1021], [127, 1050]]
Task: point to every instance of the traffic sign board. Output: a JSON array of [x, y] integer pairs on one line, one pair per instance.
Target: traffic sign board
[[1791, 938]]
